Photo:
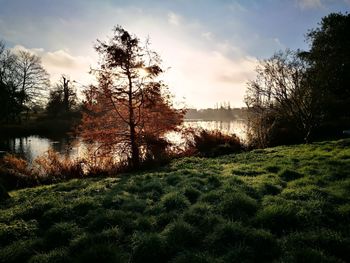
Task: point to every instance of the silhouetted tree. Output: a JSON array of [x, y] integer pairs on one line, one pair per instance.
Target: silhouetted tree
[[32, 78], [130, 110], [23, 82], [9, 95], [329, 67], [281, 98], [61, 99]]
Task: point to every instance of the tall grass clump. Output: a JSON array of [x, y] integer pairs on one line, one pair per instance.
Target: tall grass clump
[[174, 201], [238, 206]]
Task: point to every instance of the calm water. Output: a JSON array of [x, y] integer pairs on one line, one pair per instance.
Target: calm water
[[33, 146]]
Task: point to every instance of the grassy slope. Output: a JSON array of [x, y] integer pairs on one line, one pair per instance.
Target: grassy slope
[[284, 204]]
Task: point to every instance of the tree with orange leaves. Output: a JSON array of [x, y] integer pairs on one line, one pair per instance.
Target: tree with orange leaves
[[130, 110]]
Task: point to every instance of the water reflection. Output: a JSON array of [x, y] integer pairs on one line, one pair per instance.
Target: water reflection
[[33, 146], [237, 127]]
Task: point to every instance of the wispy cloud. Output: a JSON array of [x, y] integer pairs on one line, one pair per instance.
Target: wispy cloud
[[309, 4], [174, 19], [62, 62], [211, 48]]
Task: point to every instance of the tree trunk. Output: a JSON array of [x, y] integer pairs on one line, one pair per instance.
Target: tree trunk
[[66, 94], [135, 152]]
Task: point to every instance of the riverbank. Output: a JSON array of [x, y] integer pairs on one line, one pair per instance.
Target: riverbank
[[42, 125], [284, 204]]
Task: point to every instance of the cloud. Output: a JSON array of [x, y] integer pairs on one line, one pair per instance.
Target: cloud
[[237, 7], [309, 4], [61, 62], [213, 77], [208, 35], [174, 19], [205, 68]]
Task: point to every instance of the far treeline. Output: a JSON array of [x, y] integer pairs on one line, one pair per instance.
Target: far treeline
[[222, 113], [301, 96]]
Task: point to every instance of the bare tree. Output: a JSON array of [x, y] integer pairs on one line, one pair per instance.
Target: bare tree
[[8, 74], [62, 98], [32, 79], [281, 92]]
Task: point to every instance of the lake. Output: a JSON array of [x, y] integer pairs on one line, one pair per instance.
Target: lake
[[31, 147]]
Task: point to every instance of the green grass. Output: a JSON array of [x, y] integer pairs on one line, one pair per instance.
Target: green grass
[[283, 204]]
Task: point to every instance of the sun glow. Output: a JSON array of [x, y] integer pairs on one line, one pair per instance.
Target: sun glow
[[143, 73]]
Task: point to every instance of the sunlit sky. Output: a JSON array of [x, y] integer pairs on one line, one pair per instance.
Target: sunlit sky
[[209, 47]]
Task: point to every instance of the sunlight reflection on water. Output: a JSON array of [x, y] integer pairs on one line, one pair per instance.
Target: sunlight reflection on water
[[33, 146]]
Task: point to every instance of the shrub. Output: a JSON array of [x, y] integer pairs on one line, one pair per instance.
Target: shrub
[[56, 168], [213, 143], [16, 173], [14, 163]]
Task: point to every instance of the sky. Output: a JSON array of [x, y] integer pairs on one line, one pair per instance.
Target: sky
[[209, 48]]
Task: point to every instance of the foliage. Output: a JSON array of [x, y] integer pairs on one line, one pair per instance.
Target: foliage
[[212, 143], [303, 95], [329, 68], [283, 204], [62, 99], [16, 172], [130, 110]]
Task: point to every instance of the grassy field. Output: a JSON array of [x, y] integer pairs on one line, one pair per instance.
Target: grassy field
[[284, 204]]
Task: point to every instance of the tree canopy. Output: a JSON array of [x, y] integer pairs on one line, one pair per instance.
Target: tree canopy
[[304, 94], [130, 110], [329, 67]]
